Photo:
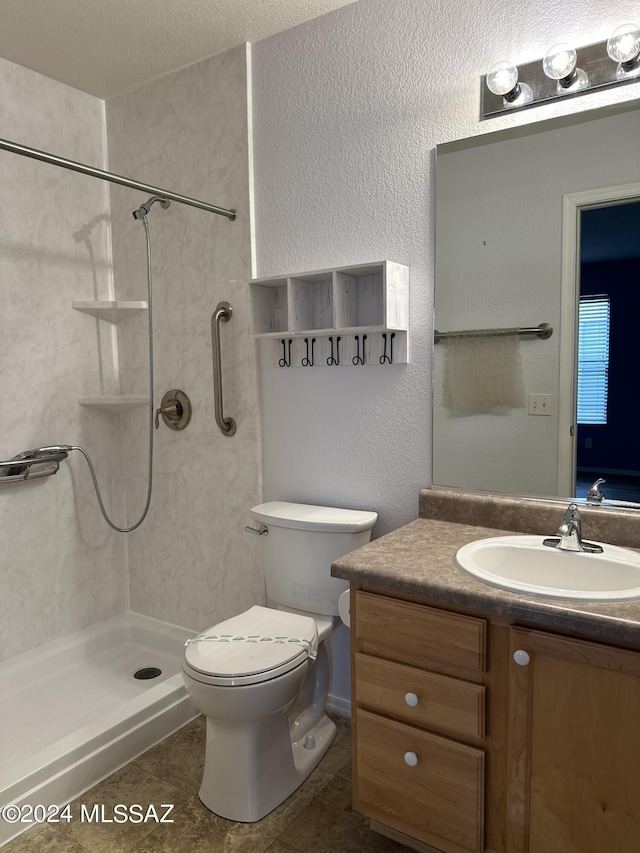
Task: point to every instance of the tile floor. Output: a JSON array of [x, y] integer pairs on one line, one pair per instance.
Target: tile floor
[[317, 818]]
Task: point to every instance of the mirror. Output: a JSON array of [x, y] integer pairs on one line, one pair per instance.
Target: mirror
[[509, 210]]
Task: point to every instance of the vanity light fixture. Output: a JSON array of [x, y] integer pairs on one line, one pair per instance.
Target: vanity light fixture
[[563, 72]]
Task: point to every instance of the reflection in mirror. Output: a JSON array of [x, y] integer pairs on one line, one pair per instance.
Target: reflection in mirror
[[510, 207], [609, 308]]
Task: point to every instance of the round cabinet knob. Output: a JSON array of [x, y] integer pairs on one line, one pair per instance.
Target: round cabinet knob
[[411, 699], [411, 759], [521, 657]]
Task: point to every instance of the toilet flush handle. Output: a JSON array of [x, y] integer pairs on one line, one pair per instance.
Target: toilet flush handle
[[259, 531]]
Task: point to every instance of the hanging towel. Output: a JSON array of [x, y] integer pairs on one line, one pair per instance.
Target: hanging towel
[[483, 374]]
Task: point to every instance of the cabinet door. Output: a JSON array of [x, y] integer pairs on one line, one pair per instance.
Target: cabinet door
[[574, 746]]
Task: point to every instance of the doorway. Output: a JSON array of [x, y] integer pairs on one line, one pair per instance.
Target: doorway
[[601, 263], [609, 306]]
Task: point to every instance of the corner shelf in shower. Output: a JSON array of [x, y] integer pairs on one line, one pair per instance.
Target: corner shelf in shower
[[112, 311], [115, 405], [364, 302]]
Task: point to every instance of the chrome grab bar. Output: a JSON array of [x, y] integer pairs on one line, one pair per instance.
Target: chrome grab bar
[[221, 314]]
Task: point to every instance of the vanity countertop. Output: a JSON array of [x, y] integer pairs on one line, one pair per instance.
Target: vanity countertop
[[418, 560]]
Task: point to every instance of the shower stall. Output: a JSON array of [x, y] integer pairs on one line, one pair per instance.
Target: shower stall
[[78, 708], [84, 608]]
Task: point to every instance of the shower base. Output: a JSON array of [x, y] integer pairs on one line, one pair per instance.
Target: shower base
[[71, 711]]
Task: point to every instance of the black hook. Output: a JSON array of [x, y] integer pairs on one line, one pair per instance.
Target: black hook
[[283, 361], [384, 358], [359, 359], [331, 360], [308, 362]]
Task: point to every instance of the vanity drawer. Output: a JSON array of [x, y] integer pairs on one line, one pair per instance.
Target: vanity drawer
[[418, 634], [439, 800], [420, 697]]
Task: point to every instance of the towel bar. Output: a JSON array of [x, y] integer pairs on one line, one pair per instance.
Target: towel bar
[[543, 331]]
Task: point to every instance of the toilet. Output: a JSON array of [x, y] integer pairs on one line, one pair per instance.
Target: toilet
[[261, 678]]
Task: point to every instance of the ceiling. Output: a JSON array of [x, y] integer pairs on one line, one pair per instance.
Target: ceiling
[[106, 47]]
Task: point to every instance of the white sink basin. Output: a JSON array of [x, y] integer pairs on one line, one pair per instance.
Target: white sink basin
[[524, 564]]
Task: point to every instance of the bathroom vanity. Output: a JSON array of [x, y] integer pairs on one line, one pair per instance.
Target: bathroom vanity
[[485, 720]]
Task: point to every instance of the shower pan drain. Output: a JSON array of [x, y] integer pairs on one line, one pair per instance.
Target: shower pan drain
[[147, 672]]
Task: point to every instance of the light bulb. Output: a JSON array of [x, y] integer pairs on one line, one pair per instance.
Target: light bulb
[[559, 64], [502, 79], [624, 43], [623, 47], [559, 61]]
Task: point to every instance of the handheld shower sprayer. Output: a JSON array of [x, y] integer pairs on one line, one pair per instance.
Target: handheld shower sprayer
[[32, 464], [52, 449], [144, 209]]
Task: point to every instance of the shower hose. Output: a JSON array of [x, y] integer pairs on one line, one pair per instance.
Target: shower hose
[[141, 215]]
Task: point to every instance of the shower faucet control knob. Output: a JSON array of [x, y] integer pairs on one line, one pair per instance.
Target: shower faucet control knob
[[175, 410], [170, 412]]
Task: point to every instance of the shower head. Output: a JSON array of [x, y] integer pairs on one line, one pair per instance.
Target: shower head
[[52, 453], [144, 209], [52, 449]]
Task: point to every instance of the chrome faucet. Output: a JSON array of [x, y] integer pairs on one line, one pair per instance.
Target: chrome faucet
[[569, 536], [570, 531], [594, 494]]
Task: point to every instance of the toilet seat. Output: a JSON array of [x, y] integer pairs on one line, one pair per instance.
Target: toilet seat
[[255, 646]]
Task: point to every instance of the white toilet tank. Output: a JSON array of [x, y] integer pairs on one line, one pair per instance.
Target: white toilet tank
[[302, 542]]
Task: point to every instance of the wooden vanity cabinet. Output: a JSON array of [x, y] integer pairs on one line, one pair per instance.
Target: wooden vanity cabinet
[[418, 722], [555, 768]]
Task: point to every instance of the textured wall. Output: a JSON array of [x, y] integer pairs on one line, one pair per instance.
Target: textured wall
[[191, 562], [60, 567], [348, 110]]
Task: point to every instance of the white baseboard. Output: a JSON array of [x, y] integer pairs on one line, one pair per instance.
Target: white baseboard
[[339, 706]]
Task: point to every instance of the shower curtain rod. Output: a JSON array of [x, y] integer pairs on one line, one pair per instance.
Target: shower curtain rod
[[15, 148]]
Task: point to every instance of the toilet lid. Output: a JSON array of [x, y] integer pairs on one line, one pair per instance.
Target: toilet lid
[[255, 646]]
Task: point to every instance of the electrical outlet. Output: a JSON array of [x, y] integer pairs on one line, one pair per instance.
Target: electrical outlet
[[539, 404]]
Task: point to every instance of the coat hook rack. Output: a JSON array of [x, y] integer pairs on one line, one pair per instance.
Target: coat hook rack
[[334, 359], [306, 361], [384, 358], [285, 361], [359, 359]]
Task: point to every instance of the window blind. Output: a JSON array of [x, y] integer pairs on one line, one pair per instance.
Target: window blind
[[593, 359]]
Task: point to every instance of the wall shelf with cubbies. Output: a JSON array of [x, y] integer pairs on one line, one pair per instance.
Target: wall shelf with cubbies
[[352, 315]]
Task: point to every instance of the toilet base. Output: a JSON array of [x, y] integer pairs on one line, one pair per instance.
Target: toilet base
[[306, 757], [237, 795]]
